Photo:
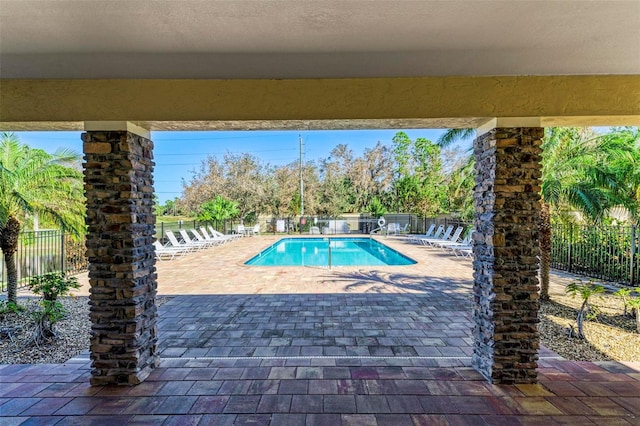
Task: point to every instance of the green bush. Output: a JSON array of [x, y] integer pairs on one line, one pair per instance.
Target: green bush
[[50, 286], [53, 285], [585, 291], [7, 307]]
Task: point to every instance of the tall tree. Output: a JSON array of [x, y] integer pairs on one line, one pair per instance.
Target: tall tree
[[283, 189], [33, 182], [418, 176], [627, 166], [337, 194], [205, 183], [239, 177], [583, 172], [459, 174]]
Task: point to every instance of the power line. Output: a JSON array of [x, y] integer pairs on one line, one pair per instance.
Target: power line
[[198, 164], [213, 138], [226, 152]]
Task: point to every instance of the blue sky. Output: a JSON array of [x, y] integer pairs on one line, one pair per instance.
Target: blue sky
[[177, 154]]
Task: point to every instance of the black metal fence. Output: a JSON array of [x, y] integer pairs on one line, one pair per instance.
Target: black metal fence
[[45, 251], [356, 224], [609, 253]]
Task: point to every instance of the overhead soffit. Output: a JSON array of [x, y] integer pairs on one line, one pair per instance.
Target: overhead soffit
[[282, 40], [305, 39]]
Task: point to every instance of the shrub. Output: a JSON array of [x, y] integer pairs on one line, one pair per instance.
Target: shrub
[[635, 305], [50, 286], [7, 307], [53, 285], [586, 291], [624, 293]]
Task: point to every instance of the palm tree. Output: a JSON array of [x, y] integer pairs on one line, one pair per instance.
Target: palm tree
[[33, 182], [581, 171], [218, 210], [584, 172], [628, 167], [454, 135]]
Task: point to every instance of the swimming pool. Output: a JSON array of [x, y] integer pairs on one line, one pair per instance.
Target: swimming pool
[[321, 251]]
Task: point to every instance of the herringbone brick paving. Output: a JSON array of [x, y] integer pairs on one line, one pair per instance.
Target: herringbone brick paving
[[286, 346]]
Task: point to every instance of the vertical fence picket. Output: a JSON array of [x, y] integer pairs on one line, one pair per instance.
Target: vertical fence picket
[[570, 249], [63, 257], [632, 256], [608, 253]]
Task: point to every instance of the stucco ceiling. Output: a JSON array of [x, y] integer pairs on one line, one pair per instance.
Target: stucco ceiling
[[319, 39]]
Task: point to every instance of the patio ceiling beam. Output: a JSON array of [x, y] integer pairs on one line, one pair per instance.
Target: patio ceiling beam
[[429, 102]]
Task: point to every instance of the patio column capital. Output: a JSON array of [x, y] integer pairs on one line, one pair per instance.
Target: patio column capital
[[509, 122], [117, 126]]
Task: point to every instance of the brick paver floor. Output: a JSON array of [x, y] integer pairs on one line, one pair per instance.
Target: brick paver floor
[[294, 346]]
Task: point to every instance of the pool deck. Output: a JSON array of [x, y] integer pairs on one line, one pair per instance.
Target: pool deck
[[292, 346]]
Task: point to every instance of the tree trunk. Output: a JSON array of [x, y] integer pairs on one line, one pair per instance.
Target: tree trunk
[[637, 319], [545, 249], [580, 319], [9, 245]]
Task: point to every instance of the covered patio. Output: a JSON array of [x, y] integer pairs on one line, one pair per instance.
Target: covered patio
[[318, 346], [505, 69]]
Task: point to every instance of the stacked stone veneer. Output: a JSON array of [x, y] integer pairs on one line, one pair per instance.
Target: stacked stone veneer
[[506, 198], [122, 273]]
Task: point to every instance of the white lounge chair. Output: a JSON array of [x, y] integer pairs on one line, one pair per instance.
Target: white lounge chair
[[217, 236], [254, 230], [440, 232], [187, 239], [174, 242], [212, 242], [463, 251], [428, 234], [466, 242], [452, 238], [230, 237], [444, 236], [163, 253]]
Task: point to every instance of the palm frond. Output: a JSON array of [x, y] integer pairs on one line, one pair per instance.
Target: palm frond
[[452, 136]]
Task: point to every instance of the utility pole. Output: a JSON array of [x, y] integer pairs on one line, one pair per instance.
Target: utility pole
[[301, 171]]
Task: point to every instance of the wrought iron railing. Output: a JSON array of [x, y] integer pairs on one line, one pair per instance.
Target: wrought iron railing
[[45, 251], [605, 252]]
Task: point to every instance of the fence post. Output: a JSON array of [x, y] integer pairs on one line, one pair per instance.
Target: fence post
[[633, 256], [64, 255], [570, 250]]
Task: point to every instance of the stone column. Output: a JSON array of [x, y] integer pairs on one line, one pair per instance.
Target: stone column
[[121, 226], [506, 199]]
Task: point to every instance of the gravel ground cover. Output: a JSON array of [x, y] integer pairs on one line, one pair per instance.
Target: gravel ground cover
[[611, 336], [72, 334]]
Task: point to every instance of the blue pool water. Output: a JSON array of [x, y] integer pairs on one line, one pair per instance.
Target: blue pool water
[[315, 252]]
